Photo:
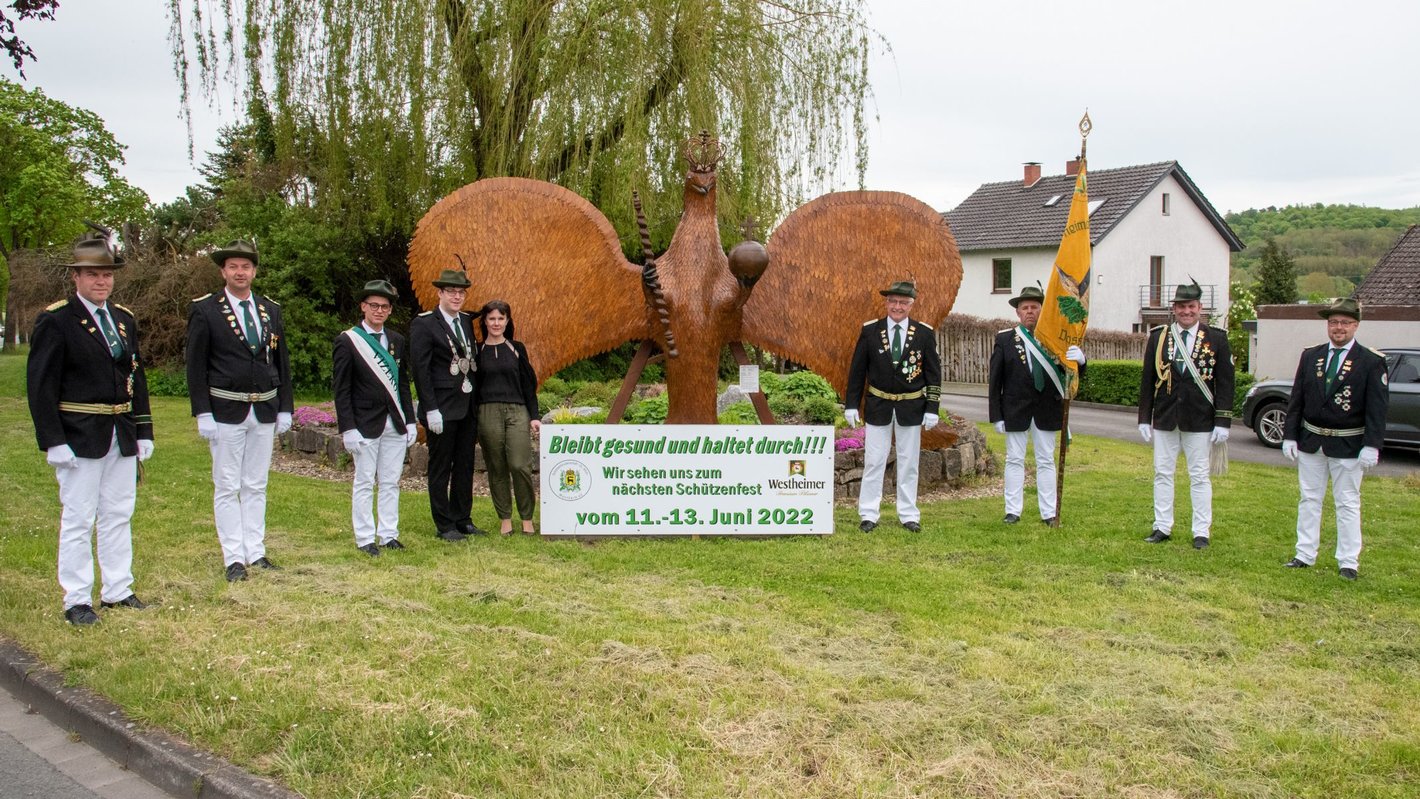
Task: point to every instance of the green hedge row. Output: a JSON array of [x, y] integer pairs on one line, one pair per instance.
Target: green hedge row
[[1117, 383]]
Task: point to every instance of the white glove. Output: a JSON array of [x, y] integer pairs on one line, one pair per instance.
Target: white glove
[[411, 435], [1289, 450], [1220, 434], [283, 422], [206, 426], [353, 440], [929, 421], [1146, 432], [61, 456], [1000, 427], [1369, 457], [145, 449], [435, 423], [851, 417], [1075, 354]]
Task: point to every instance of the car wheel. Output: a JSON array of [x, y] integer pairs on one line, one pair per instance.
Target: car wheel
[[1270, 424]]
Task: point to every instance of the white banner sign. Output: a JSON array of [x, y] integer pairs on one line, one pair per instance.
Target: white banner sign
[[686, 480]]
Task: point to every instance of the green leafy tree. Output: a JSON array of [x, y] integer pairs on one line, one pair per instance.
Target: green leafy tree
[[1276, 276], [58, 167], [1241, 310]]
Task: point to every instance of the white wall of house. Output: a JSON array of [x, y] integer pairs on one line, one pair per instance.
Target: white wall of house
[[975, 298], [1280, 341]]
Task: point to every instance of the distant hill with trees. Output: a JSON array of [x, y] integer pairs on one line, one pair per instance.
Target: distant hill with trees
[[1333, 246]]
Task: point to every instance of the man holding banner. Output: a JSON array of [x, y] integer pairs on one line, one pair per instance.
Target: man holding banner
[[375, 413], [1025, 393]]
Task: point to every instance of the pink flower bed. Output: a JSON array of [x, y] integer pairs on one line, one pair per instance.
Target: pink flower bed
[[850, 438], [313, 416]]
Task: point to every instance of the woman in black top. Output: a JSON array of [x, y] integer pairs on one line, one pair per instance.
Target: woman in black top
[[507, 416]]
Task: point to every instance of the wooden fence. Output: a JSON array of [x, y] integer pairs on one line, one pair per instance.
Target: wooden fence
[[965, 343]]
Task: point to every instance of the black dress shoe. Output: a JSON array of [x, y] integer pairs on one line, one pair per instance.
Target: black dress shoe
[[867, 526], [370, 549], [1295, 563], [393, 543], [469, 528], [1200, 542], [265, 563], [1157, 537], [130, 601], [450, 535], [1347, 574], [912, 527], [1048, 522], [235, 572], [1011, 518], [81, 615]]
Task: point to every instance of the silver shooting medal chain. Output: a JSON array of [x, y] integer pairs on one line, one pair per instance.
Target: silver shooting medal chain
[[459, 364]]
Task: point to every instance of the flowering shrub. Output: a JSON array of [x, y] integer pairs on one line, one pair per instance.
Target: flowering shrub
[[850, 438], [312, 416]]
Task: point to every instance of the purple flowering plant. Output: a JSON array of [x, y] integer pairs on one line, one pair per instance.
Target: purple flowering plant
[[850, 438], [313, 416]]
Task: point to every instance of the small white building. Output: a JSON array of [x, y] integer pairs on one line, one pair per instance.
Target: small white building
[[1150, 226]]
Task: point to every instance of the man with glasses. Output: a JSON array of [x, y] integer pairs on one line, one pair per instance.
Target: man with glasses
[[895, 364], [441, 358], [1335, 427], [239, 383], [376, 416]]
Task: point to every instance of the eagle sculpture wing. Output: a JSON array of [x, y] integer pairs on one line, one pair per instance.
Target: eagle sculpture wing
[[547, 252]]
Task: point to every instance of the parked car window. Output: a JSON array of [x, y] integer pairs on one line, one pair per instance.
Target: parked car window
[[1408, 371]]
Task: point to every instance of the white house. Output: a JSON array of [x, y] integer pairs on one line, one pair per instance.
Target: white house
[[1150, 226]]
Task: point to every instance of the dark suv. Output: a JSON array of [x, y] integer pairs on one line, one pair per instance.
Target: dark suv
[[1266, 408]]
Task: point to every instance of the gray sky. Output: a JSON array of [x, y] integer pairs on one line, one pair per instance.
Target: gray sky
[[1263, 102]]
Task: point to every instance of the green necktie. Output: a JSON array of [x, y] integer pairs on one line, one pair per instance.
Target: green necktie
[[1183, 354], [1333, 366], [458, 334], [1037, 372], [115, 345], [252, 337], [896, 343]]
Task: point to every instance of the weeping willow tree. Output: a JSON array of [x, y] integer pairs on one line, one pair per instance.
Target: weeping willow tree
[[384, 106]]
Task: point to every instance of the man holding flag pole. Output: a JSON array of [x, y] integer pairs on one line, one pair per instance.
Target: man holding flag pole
[[1065, 311]]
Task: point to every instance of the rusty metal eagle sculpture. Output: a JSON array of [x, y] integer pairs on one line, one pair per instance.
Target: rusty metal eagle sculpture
[[558, 262]]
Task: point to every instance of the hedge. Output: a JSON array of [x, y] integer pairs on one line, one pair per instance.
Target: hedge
[[1117, 383]]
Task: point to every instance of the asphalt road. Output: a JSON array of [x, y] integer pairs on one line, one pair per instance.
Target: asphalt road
[[1122, 424]]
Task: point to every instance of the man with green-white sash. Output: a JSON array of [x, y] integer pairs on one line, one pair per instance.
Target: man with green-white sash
[[375, 413]]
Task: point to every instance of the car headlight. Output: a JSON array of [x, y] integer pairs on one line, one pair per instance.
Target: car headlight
[[1250, 392]]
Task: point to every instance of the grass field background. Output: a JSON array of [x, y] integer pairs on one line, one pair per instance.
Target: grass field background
[[974, 659]]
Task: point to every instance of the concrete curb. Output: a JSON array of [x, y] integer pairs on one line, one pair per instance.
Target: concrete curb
[[166, 762]]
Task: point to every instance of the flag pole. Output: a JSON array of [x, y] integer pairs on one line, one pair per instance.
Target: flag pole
[[1064, 446]]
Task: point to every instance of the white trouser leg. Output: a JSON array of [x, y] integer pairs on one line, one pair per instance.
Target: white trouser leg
[[876, 443], [1015, 472], [118, 492], [241, 461], [909, 450], [1346, 495], [379, 462], [95, 491], [1044, 442], [362, 491], [1166, 446], [1311, 482], [1200, 486], [391, 467]]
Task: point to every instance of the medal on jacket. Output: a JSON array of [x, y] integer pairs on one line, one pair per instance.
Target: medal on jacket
[[459, 365]]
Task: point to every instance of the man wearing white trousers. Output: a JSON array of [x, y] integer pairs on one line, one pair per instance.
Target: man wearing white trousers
[[89, 401], [1185, 405], [896, 377], [1335, 428], [239, 383], [375, 413], [1024, 395]]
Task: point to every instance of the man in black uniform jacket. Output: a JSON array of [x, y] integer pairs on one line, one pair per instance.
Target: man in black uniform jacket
[[239, 383], [1185, 403], [441, 359], [375, 415], [896, 365], [89, 402], [1024, 398], [1336, 426]]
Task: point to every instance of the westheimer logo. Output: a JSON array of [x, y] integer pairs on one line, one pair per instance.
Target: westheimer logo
[[571, 480]]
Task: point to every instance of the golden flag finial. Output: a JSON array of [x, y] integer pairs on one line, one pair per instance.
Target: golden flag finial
[[1085, 127]]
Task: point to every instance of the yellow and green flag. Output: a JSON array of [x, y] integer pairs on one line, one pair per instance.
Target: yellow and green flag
[[1066, 310]]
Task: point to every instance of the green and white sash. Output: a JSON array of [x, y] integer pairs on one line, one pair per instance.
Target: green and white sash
[[1188, 363], [1036, 351], [380, 362]]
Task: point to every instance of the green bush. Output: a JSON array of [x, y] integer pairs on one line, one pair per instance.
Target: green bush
[[806, 385], [598, 394], [820, 410], [555, 387], [651, 410], [1112, 382], [546, 402], [165, 383], [740, 413], [770, 382], [565, 416], [1242, 383], [783, 406]]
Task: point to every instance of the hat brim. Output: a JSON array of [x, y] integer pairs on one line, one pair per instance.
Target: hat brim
[[891, 293], [367, 294], [219, 257], [444, 284], [1327, 313], [118, 263], [1015, 302]]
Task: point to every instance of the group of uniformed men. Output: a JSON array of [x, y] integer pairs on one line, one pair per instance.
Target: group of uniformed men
[[88, 398]]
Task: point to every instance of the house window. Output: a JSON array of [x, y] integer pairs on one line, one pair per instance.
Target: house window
[[1000, 275], [1166, 204], [1156, 281]]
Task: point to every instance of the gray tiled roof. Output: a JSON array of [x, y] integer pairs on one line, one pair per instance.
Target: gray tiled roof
[[1395, 280], [1011, 215]]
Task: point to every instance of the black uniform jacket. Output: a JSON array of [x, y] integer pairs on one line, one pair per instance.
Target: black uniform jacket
[[361, 400], [71, 362], [1012, 396], [1172, 400], [1358, 399], [218, 357], [432, 347], [920, 369]]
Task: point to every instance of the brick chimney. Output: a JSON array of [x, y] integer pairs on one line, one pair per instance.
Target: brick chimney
[[1072, 167], [1032, 173]]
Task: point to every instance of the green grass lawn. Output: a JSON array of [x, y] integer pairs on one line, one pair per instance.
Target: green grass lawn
[[974, 659]]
